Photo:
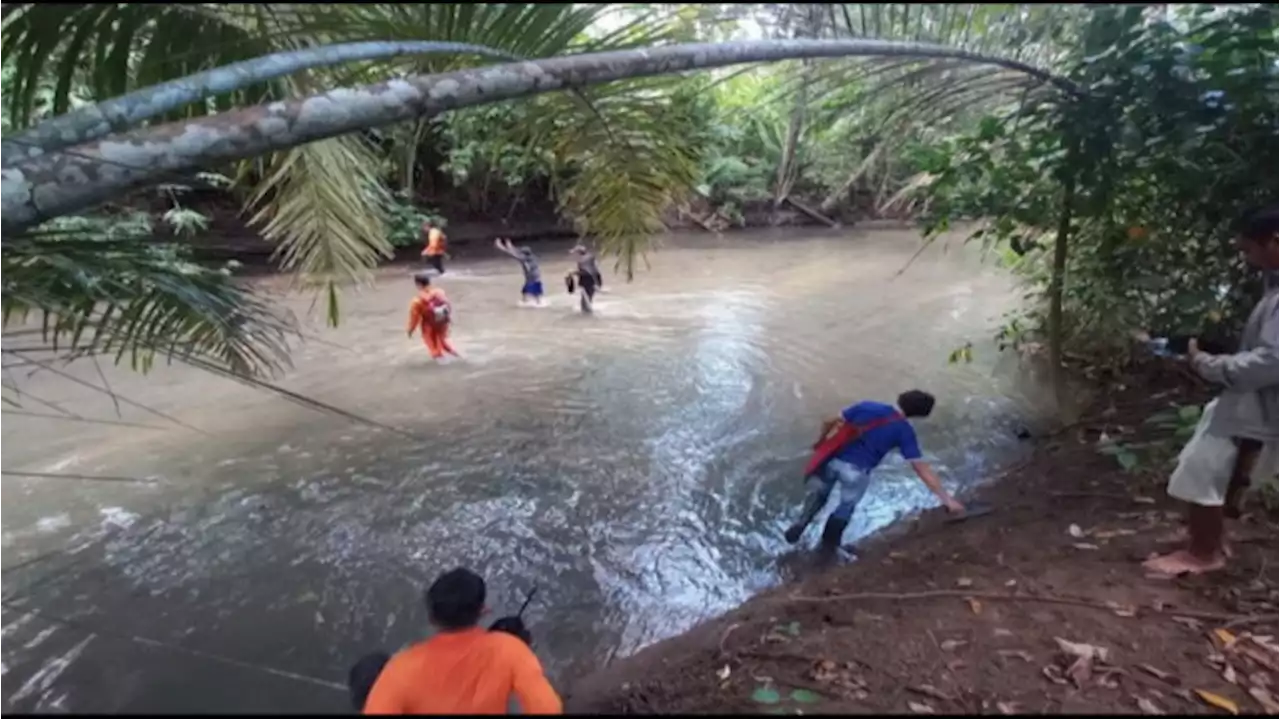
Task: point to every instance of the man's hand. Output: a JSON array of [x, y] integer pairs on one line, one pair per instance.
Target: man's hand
[[953, 506], [1193, 349]]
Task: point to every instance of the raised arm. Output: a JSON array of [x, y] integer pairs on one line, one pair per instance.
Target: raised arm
[[504, 246]]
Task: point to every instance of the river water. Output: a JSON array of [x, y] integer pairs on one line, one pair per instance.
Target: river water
[[638, 467]]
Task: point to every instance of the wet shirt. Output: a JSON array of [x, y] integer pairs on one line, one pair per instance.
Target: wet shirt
[[870, 448], [473, 671], [587, 264], [420, 308], [435, 242], [529, 264]]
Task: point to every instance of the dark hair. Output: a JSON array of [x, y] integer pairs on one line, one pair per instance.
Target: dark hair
[[1259, 225], [456, 599], [915, 403], [422, 279]]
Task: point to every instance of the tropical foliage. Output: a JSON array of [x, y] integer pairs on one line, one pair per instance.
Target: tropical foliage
[[1109, 162]]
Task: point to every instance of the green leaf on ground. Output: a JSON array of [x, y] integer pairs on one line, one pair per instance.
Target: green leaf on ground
[[765, 695], [804, 696], [793, 629]]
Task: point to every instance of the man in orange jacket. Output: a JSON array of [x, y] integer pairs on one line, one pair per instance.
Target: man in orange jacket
[[463, 669], [431, 313], [434, 251]]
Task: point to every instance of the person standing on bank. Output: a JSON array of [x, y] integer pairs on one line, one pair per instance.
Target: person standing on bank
[[1235, 440], [858, 441]]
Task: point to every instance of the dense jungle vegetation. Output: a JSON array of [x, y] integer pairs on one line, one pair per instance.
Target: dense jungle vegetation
[[1108, 178]]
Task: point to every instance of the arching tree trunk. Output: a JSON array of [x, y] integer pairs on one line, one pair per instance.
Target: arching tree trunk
[[35, 189]]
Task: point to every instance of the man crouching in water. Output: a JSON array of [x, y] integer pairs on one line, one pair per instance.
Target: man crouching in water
[[874, 429], [464, 668]]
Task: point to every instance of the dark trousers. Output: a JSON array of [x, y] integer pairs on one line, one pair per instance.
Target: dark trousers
[[436, 261]]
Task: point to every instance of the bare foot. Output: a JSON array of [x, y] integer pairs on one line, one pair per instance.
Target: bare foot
[[1183, 562], [1182, 537]]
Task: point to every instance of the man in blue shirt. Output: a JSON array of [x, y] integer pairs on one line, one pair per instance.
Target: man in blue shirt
[[879, 428]]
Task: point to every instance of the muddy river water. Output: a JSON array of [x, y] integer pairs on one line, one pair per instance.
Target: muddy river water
[[638, 467]]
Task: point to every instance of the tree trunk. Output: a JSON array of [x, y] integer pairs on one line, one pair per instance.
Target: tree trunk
[[120, 113], [35, 189], [1057, 373]]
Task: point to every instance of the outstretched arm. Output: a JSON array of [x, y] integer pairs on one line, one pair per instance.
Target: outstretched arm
[[1249, 371], [415, 316], [926, 475], [504, 246]]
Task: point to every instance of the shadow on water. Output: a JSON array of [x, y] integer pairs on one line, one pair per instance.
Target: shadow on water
[[638, 467]]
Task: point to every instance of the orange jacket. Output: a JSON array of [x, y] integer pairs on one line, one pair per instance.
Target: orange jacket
[[420, 315], [472, 671], [435, 243]]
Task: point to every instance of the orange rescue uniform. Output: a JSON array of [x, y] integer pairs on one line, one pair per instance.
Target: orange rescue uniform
[[434, 335], [435, 243], [472, 671]]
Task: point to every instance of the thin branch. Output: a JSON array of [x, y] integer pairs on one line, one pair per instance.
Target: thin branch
[[77, 418], [90, 385], [78, 477]]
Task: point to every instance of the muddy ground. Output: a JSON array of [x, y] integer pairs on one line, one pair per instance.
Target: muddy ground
[[968, 617]]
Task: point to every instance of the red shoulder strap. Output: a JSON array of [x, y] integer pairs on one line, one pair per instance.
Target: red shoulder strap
[[878, 422]]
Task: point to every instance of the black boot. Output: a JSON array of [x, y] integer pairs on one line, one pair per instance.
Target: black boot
[[833, 532], [812, 505]]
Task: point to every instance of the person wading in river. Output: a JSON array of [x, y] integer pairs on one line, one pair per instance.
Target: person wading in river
[[430, 312], [587, 277], [435, 250], [464, 668], [1235, 440], [532, 288], [858, 441]]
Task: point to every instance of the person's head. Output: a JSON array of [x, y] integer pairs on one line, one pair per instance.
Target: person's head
[[526, 251], [915, 403], [578, 250], [1256, 238], [422, 280], [456, 599]]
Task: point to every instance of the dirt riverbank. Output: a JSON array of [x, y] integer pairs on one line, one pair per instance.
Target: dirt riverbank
[[977, 616]]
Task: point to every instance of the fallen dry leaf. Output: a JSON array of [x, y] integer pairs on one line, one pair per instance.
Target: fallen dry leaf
[[1269, 701], [1011, 583], [1080, 649], [930, 691], [1019, 653], [1109, 533], [1007, 707], [1229, 674], [1226, 638], [974, 605], [1075, 531], [950, 645], [1159, 674], [1053, 674], [1146, 706], [920, 708], [1216, 700], [956, 665], [1263, 657], [723, 672], [964, 582], [1085, 546], [1143, 500], [1122, 610], [1189, 622]]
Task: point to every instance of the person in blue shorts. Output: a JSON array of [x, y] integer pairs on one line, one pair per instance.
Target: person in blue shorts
[[532, 289], [875, 429]]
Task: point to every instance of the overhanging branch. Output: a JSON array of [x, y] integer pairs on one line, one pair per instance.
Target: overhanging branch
[[37, 189]]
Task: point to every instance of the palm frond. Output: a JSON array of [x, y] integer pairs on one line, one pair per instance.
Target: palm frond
[[323, 205], [117, 294]]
